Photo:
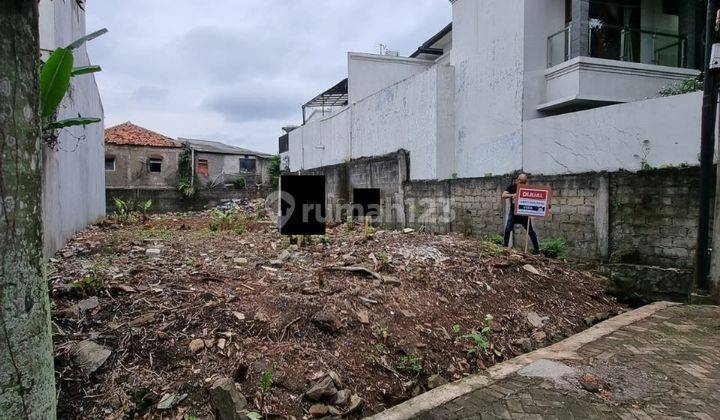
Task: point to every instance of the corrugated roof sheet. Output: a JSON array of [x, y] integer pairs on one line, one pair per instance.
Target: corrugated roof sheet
[[129, 134], [208, 146]]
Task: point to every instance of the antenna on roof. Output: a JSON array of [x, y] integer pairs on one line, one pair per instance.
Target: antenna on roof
[[384, 50], [383, 47]]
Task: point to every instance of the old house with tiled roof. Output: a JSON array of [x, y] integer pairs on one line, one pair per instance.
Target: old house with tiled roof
[[136, 157], [217, 164]]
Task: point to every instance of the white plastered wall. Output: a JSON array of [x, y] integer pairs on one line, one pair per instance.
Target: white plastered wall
[[73, 171], [612, 138], [488, 58]]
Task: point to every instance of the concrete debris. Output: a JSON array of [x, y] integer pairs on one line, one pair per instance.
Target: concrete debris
[[539, 336], [535, 320], [318, 410], [153, 252], [342, 398], [323, 390], [81, 307], [364, 317], [355, 404], [197, 345], [327, 321], [530, 269], [336, 379], [89, 356], [166, 402], [229, 403], [435, 381], [240, 261]]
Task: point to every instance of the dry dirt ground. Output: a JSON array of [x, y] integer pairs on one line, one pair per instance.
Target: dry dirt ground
[[237, 304]]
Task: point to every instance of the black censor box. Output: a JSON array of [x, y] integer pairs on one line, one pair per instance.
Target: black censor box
[[302, 205], [366, 203]]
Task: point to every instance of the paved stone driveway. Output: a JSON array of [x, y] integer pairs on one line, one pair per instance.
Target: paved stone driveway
[[664, 366]]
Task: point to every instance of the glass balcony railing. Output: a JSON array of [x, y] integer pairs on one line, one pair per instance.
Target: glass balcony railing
[[559, 47], [622, 44]]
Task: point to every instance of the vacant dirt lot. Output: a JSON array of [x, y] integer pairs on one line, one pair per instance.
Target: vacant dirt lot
[[148, 315]]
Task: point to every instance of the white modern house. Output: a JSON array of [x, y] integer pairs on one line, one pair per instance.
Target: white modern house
[[545, 86], [73, 172]]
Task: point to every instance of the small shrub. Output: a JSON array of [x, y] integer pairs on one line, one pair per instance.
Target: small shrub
[[240, 183], [122, 212], [478, 339], [240, 229], [90, 285], [495, 239], [383, 261], [554, 248], [411, 365], [145, 209], [693, 84], [187, 189], [274, 170], [222, 220], [265, 382]]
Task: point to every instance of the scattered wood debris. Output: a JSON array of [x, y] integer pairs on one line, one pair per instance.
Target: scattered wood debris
[[197, 326]]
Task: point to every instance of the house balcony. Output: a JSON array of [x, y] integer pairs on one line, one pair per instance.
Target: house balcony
[[618, 64]]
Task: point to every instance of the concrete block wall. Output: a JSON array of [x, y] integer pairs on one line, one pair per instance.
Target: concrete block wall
[[646, 218], [427, 206], [386, 173], [479, 210], [575, 216], [654, 216]]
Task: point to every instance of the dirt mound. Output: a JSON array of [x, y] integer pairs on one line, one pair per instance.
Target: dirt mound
[[180, 306]]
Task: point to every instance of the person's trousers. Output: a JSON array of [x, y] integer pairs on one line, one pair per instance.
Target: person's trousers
[[516, 220]]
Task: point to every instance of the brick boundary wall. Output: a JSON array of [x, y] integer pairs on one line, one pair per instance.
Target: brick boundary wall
[[647, 218], [640, 225]]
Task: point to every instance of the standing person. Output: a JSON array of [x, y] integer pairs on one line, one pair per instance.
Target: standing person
[[511, 193]]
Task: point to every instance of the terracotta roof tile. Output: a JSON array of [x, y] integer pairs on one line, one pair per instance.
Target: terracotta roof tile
[[129, 134]]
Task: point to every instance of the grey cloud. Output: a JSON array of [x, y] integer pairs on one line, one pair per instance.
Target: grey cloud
[[150, 94], [241, 69], [242, 108]]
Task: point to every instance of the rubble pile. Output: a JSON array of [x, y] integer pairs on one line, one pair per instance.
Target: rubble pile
[[170, 318]]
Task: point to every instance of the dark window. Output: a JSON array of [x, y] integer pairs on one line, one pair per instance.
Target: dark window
[[110, 164], [203, 168], [155, 165], [247, 165], [284, 143]]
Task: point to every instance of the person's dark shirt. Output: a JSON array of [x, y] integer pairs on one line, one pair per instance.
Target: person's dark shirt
[[512, 189]]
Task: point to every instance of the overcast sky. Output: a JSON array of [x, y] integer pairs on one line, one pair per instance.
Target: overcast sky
[[236, 71]]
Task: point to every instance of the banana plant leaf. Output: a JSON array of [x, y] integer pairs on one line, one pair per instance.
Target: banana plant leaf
[[55, 80], [77, 71], [78, 43], [72, 122]]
